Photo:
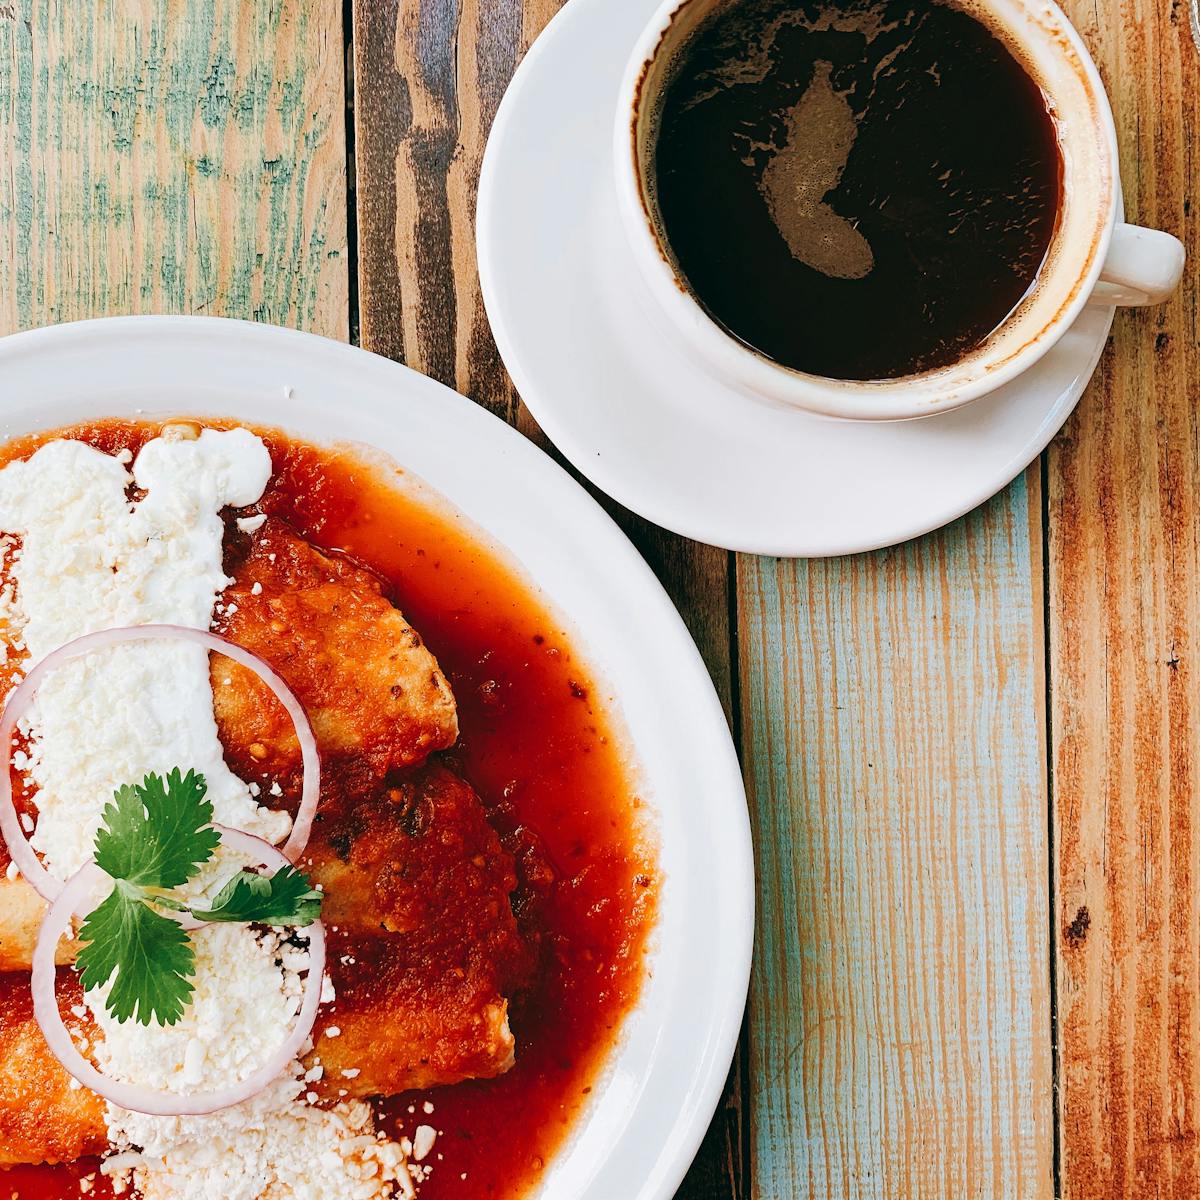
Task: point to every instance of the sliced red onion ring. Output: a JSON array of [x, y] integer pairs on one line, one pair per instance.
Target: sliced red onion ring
[[79, 891], [18, 844]]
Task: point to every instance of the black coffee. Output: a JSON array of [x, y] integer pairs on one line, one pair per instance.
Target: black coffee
[[860, 190]]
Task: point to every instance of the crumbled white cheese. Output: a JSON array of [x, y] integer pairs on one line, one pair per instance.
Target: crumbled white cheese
[[241, 1009], [251, 524], [256, 588], [90, 559], [267, 1148], [423, 1140]]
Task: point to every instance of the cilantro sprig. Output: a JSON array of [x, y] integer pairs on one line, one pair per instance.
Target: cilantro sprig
[[154, 837], [285, 898]]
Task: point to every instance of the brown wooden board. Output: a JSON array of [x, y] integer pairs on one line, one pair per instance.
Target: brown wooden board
[[1124, 620]]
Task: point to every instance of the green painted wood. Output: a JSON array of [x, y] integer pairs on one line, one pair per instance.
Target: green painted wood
[[173, 157], [892, 710]]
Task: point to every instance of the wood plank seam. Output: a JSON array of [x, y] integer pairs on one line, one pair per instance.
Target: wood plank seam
[[353, 314], [1043, 534]]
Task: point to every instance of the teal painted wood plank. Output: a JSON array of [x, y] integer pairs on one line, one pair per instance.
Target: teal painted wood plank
[[173, 156], [894, 738]]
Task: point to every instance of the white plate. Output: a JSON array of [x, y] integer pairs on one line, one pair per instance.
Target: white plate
[[666, 1077], [619, 396]]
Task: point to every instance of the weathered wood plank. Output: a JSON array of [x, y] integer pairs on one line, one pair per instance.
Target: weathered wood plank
[[162, 156], [1124, 579], [429, 75], [900, 1010], [428, 79]]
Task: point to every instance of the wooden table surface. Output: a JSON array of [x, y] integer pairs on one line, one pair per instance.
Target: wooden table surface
[[973, 760]]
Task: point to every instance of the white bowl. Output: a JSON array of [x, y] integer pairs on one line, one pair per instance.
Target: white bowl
[[665, 1077]]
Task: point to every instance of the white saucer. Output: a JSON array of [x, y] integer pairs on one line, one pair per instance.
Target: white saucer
[[621, 399]]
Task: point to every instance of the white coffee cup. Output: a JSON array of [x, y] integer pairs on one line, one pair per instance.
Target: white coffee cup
[[1094, 257]]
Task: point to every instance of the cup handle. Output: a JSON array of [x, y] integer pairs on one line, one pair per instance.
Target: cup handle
[[1143, 266]]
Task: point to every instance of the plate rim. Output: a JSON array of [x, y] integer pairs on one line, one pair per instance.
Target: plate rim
[[688, 1126]]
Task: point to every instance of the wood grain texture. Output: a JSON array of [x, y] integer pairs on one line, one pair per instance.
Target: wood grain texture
[[1124, 579], [173, 156], [900, 1007], [428, 77]]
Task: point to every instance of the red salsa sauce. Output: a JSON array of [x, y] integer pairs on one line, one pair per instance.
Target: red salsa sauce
[[540, 747]]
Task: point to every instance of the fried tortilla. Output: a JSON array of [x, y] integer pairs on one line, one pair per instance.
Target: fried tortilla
[[423, 945], [21, 912], [373, 692], [42, 1117], [421, 995]]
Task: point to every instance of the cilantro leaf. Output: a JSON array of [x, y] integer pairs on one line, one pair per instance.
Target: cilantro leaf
[[285, 898], [150, 955], [157, 833]]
